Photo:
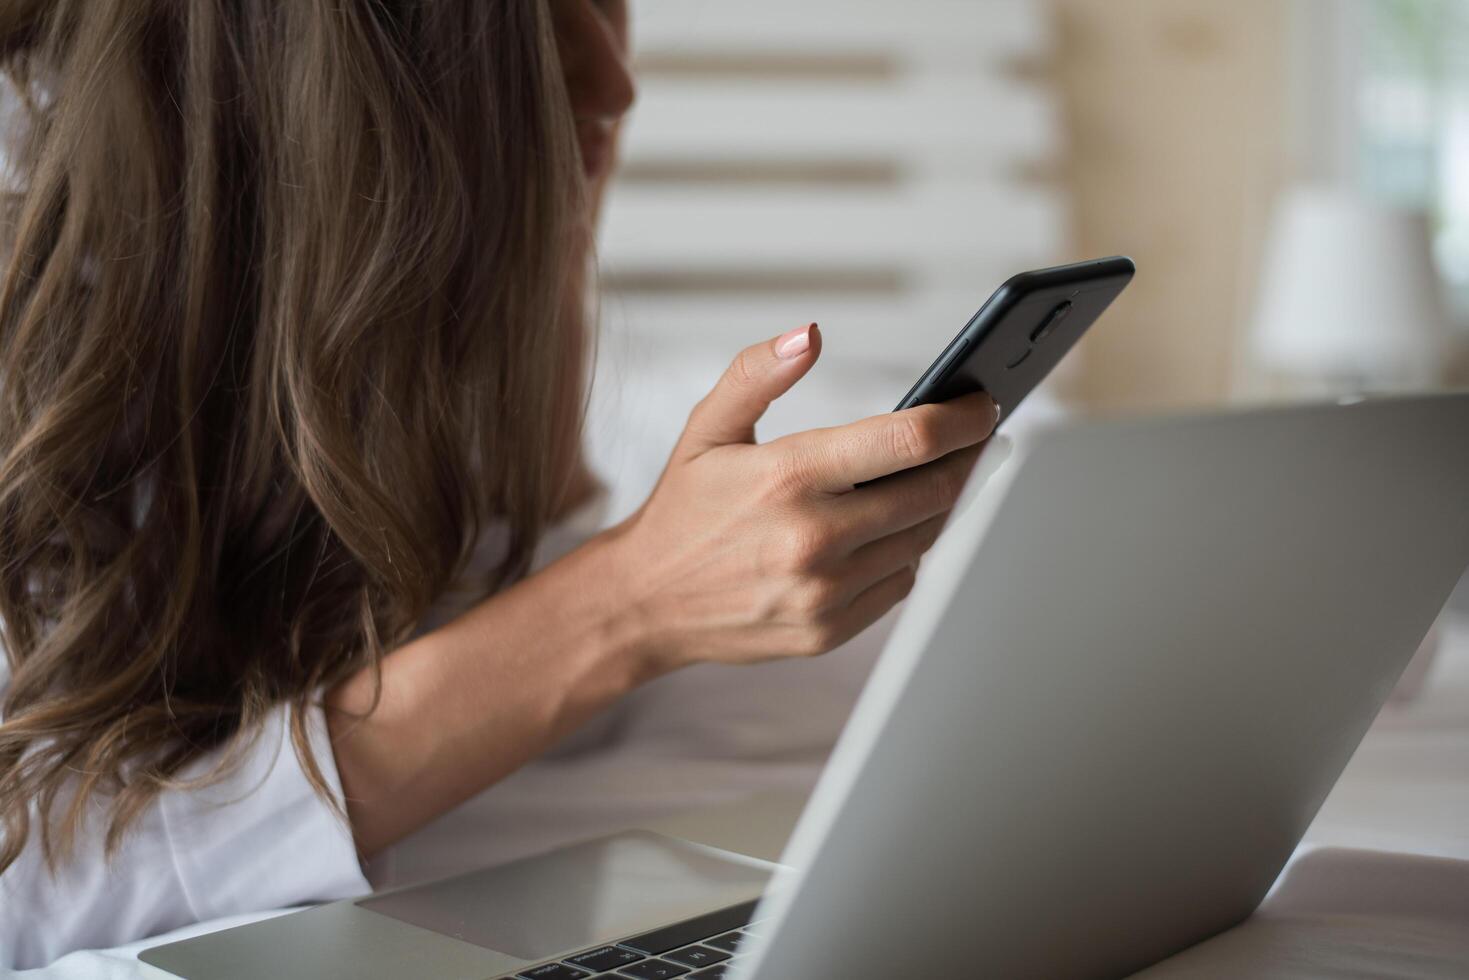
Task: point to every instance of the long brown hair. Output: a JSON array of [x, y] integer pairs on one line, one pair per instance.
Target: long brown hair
[[283, 324]]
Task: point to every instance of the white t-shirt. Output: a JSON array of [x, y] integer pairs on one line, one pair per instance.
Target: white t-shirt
[[264, 839]]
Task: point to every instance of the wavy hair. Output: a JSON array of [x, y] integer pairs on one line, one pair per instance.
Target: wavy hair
[[284, 323]]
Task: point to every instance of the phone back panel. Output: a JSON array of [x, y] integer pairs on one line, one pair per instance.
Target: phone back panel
[[1022, 332]]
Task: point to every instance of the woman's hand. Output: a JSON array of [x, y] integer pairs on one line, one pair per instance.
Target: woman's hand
[[747, 552], [742, 553]]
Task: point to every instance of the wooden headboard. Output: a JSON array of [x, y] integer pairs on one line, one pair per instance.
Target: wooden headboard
[[876, 166]]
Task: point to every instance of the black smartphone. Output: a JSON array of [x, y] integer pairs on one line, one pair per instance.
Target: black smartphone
[[1022, 332]]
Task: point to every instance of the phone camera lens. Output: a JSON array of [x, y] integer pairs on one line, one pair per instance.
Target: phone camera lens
[[1049, 323]]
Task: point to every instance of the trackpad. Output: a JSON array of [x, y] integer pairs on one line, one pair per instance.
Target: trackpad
[[584, 895]]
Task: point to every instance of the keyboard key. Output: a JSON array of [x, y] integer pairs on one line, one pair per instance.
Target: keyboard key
[[710, 973], [653, 970], [606, 958], [697, 956], [554, 971], [691, 930], [729, 942]]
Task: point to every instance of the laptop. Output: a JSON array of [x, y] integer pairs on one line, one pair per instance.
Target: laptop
[[1134, 665]]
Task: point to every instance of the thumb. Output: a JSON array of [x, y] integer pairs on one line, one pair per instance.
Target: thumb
[[758, 376]]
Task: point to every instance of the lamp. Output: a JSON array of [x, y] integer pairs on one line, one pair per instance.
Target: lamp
[[1349, 300]]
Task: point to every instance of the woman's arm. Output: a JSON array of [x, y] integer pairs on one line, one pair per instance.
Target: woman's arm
[[467, 704], [744, 552]]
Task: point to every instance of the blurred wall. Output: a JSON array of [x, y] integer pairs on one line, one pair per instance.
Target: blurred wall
[[1177, 117]]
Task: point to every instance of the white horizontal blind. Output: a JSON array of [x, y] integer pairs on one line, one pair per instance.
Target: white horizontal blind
[[874, 165]]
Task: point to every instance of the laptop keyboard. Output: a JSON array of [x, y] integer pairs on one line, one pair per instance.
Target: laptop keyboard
[[701, 948]]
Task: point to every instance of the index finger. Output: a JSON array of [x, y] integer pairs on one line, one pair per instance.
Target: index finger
[[836, 459]]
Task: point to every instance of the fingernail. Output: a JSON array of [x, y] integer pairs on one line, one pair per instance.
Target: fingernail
[[794, 343]]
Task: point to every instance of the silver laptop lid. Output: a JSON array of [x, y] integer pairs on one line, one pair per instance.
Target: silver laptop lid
[[1132, 670]]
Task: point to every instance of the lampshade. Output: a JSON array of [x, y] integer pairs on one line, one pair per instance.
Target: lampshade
[[1349, 294]]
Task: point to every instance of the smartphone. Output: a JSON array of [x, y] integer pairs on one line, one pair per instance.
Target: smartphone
[[1022, 332]]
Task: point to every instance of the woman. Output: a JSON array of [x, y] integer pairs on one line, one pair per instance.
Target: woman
[[291, 349]]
